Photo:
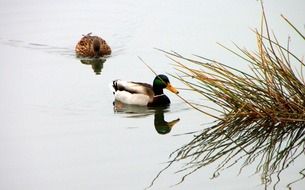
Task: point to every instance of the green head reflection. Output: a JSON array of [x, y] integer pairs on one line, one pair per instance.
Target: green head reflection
[[162, 126]]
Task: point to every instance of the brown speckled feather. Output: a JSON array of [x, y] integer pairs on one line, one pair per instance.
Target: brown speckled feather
[[85, 47]]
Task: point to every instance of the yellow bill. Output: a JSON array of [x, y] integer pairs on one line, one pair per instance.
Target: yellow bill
[[171, 88]]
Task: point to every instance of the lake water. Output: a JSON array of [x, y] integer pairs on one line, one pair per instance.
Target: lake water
[[59, 129]]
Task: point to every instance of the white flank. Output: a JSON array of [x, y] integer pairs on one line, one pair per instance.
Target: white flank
[[134, 99]]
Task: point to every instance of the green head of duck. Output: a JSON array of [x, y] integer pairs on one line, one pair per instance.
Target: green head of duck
[[161, 81]]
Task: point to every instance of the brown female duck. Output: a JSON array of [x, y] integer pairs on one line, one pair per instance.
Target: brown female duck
[[92, 46]]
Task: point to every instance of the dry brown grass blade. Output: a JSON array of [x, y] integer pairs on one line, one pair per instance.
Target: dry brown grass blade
[[293, 27]]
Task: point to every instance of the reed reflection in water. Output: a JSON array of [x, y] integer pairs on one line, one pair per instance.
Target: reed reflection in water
[[275, 149], [161, 125]]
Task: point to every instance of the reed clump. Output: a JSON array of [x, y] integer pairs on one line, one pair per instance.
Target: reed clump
[[260, 116]]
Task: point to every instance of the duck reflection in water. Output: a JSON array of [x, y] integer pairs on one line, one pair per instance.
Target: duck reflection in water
[[96, 64], [161, 125]]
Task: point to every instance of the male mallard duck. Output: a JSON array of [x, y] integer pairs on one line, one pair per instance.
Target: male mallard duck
[[92, 46], [142, 94]]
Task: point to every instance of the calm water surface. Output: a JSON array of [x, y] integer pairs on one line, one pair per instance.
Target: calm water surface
[[59, 129]]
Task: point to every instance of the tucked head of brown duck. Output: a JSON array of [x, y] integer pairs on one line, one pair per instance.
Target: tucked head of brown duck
[[96, 45]]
